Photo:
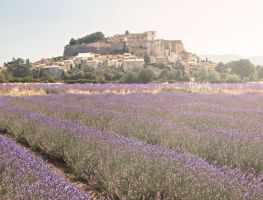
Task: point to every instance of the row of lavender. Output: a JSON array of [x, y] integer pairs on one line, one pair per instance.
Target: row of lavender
[[225, 130], [130, 87], [124, 167], [25, 176]]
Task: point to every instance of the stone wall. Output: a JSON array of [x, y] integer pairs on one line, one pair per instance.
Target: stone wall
[[164, 48], [139, 52], [97, 48], [133, 37]]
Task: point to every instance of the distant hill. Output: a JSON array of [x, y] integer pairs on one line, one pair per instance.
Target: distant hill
[[256, 60]]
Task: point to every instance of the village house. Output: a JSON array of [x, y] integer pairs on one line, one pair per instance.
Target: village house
[[54, 68], [86, 60], [133, 64], [65, 64], [125, 61]]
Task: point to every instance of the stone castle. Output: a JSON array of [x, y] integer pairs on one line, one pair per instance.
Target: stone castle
[[138, 44], [122, 51]]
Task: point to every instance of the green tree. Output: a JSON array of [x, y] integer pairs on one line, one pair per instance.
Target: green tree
[[232, 78], [2, 78], [213, 76], [222, 68], [179, 71], [77, 75], [94, 37], [131, 77], [90, 76], [259, 70], [243, 68], [146, 76], [36, 73], [73, 41], [5, 76], [147, 59], [201, 75], [19, 68], [43, 73], [160, 65], [164, 75]]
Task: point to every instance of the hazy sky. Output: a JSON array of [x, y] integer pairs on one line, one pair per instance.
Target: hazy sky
[[40, 28]]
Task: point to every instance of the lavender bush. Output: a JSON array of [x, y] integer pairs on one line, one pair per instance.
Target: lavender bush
[[25, 176]]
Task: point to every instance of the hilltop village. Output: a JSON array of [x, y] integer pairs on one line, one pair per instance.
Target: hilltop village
[[127, 58], [127, 52]]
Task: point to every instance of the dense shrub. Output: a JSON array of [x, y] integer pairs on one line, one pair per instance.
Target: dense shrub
[[94, 37], [146, 76]]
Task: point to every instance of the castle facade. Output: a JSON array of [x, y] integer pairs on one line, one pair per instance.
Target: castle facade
[[138, 44]]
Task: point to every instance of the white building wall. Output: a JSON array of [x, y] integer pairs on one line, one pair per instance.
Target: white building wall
[[129, 65]]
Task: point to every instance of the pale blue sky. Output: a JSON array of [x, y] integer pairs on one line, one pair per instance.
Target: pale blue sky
[[40, 28]]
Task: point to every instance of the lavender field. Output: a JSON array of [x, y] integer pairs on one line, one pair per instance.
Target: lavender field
[[158, 141]]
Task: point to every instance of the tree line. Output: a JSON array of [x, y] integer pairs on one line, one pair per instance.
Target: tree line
[[94, 37], [19, 70]]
